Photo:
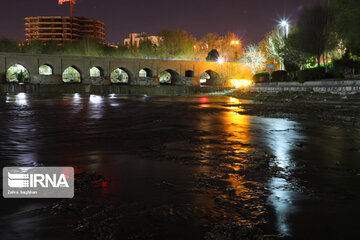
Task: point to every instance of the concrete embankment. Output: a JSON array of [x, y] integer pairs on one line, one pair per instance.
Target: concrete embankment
[[342, 87], [116, 89]]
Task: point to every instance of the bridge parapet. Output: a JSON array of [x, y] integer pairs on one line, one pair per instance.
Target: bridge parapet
[[187, 73]]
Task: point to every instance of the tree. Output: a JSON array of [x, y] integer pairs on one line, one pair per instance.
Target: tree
[[52, 47], [7, 45], [213, 55], [176, 44], [346, 15], [33, 47], [293, 57], [313, 33], [146, 48], [275, 45], [230, 50], [212, 41], [255, 59], [224, 45]]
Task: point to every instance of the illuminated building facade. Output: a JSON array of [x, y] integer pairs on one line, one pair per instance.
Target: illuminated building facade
[[63, 29], [134, 39]]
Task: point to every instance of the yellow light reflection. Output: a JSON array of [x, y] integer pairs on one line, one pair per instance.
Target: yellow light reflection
[[234, 100]]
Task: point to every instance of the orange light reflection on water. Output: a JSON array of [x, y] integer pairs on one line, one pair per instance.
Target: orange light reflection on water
[[229, 144]]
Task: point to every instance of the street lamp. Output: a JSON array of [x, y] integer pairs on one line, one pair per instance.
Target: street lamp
[[285, 25], [220, 60]]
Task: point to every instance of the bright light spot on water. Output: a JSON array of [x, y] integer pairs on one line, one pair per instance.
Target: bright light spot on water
[[20, 99], [281, 136], [112, 95], [76, 96], [76, 99], [204, 100], [96, 99], [281, 198], [96, 109], [235, 100]]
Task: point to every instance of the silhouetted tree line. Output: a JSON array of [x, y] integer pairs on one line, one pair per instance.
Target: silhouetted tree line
[[326, 35]]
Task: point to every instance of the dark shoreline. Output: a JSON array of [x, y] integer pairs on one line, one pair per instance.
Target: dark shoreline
[[161, 90]]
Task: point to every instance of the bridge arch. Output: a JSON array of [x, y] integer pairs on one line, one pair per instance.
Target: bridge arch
[[46, 69], [210, 77], [145, 72], [121, 76], [189, 73], [71, 74], [169, 77], [17, 73], [96, 72]]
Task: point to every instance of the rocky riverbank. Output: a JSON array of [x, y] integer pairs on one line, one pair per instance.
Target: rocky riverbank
[[326, 108]]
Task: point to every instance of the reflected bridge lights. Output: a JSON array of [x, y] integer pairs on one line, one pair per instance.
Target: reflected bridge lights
[[20, 99], [95, 99], [76, 98]]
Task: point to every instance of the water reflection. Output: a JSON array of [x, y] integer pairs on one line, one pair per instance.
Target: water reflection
[[96, 109], [95, 99], [281, 136], [76, 97], [227, 137], [127, 144], [112, 96], [20, 99]]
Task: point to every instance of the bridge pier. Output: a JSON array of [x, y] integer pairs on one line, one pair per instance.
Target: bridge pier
[[46, 79], [187, 81], [217, 82], [145, 81], [93, 80], [2, 77]]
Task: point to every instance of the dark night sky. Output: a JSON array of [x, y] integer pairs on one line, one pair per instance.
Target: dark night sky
[[249, 19]]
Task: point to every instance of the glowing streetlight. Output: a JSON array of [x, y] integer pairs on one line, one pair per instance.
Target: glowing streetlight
[[285, 25]]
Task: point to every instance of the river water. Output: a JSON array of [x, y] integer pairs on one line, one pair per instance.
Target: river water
[[166, 153]]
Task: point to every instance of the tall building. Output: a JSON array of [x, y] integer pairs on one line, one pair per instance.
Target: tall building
[[135, 38], [63, 29]]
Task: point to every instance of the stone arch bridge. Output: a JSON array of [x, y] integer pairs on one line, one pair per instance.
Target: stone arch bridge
[[186, 73]]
